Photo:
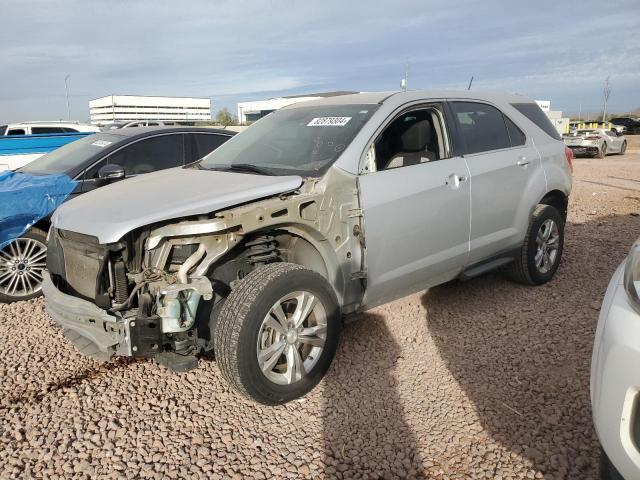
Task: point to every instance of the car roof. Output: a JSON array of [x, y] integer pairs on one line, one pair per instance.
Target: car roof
[[411, 95], [147, 131]]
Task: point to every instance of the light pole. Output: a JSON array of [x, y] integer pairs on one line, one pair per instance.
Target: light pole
[[66, 88], [606, 91]]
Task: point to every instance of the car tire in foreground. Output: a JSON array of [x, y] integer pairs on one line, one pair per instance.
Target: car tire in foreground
[[277, 333], [542, 248], [22, 265], [607, 469]]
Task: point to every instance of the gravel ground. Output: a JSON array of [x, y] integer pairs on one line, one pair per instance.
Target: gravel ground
[[483, 379]]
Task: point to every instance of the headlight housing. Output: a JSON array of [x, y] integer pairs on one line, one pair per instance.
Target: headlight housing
[[632, 276]]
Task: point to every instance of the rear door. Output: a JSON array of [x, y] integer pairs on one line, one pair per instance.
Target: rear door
[[502, 162]]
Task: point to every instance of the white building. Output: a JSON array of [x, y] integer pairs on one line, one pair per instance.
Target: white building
[[555, 116], [252, 111], [127, 108]]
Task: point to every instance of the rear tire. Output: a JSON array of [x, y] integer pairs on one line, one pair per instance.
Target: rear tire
[[541, 251], [277, 333], [603, 151], [623, 148], [22, 265]]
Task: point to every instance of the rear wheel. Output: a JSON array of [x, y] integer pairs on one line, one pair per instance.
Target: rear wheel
[[623, 148], [277, 333], [22, 265], [603, 151], [542, 249]]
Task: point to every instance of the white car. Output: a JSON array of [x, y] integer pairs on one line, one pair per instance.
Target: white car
[[39, 128], [596, 142], [22, 143], [615, 377]]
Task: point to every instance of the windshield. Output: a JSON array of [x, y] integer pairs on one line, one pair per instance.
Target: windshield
[[297, 141], [70, 156], [587, 132]]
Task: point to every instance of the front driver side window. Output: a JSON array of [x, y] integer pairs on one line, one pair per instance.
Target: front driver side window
[[414, 137], [150, 155]]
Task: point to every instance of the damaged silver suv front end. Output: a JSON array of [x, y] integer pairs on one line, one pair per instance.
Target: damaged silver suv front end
[[151, 293]]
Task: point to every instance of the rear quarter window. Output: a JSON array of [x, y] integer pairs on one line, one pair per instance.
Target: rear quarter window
[[534, 113]]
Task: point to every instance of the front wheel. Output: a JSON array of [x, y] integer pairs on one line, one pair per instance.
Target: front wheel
[[277, 333], [542, 248], [22, 265]]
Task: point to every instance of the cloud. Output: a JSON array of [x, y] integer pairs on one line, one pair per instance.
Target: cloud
[[234, 50]]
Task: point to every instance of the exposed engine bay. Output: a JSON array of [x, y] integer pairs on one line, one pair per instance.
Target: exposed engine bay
[[162, 282]]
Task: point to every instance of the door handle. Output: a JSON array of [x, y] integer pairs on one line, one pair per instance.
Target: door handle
[[454, 180], [522, 161]]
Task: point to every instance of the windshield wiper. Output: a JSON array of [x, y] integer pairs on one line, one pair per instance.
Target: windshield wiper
[[241, 167]]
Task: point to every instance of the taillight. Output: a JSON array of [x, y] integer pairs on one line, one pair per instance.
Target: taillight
[[569, 154]]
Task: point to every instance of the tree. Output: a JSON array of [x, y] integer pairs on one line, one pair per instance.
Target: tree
[[224, 117]]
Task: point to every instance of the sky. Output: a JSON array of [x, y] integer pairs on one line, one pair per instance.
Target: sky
[[236, 50]]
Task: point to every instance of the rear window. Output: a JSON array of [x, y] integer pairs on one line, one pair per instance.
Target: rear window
[[534, 113]]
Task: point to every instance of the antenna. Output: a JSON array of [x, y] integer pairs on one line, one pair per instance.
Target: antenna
[[470, 82]]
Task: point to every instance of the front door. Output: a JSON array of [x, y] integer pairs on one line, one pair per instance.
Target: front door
[[416, 208]]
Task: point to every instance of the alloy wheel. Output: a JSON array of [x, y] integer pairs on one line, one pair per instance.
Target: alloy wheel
[[548, 242], [292, 337], [22, 265]]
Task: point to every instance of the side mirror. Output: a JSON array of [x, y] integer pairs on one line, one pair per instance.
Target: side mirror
[[111, 172]]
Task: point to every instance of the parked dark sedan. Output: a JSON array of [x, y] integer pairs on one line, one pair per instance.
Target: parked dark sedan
[[29, 195]]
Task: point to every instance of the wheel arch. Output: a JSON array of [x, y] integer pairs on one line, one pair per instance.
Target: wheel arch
[[557, 199], [309, 248]]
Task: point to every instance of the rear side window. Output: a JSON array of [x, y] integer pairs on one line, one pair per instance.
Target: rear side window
[[3, 129], [516, 135], [481, 126], [205, 143], [534, 113], [40, 130], [151, 154], [16, 131]]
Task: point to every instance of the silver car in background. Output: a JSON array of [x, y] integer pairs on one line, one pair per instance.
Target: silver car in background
[[615, 376], [596, 142]]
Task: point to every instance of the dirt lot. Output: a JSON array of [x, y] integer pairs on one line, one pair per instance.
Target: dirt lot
[[483, 379]]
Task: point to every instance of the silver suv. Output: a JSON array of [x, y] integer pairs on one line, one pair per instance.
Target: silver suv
[[318, 211]]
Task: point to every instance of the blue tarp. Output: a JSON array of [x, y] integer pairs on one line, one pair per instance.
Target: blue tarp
[[25, 199]]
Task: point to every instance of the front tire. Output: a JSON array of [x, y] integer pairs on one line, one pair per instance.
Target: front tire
[[22, 265], [608, 471], [277, 333], [542, 248]]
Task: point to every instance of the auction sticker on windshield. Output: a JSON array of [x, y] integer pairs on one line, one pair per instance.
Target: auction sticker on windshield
[[329, 122], [101, 143]]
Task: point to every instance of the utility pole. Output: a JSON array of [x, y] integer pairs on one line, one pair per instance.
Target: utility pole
[[606, 91], [470, 82], [66, 88], [580, 112], [405, 81]]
